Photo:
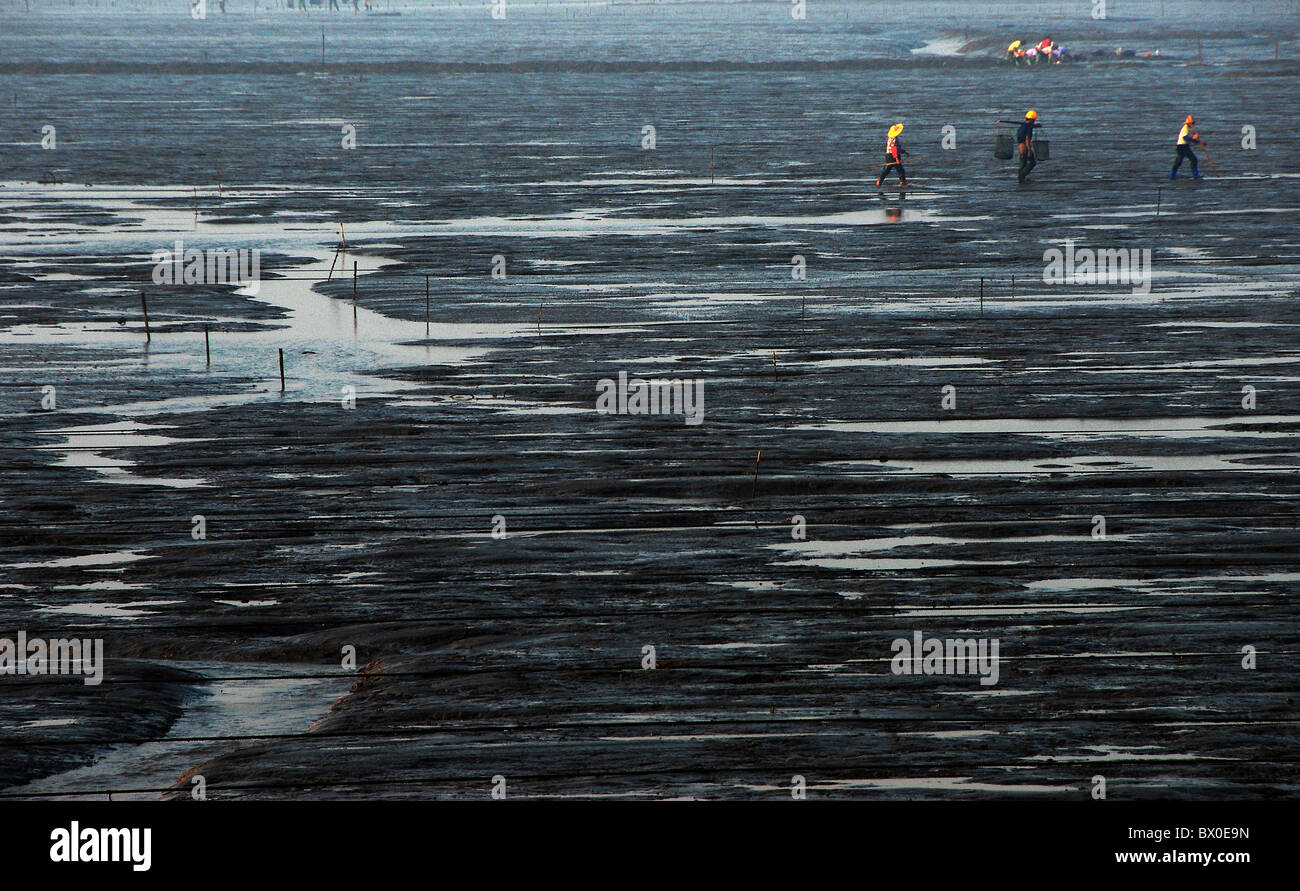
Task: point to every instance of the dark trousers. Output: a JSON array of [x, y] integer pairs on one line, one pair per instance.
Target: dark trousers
[[892, 165], [1185, 151], [1027, 163]]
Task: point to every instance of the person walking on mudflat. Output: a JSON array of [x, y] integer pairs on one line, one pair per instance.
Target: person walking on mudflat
[[893, 158], [1025, 141], [1186, 139]]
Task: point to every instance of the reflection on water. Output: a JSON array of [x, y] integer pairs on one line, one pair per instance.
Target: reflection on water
[[328, 344], [242, 706]]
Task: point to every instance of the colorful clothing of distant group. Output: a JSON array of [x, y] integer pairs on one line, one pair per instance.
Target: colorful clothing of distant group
[[1045, 51]]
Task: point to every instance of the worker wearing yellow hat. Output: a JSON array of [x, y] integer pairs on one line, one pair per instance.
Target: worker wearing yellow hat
[[893, 157], [1186, 139], [1025, 142]]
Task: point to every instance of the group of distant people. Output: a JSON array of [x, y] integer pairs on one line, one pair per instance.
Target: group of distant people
[[1045, 52], [302, 5], [894, 152], [334, 5]]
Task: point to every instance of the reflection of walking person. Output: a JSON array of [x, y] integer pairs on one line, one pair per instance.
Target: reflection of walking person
[[1184, 148], [1025, 141], [893, 157]]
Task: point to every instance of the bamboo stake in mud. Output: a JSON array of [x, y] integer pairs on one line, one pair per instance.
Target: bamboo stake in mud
[[710, 165], [754, 493], [774, 377], [426, 306], [282, 369], [539, 321], [1013, 287], [1157, 202], [144, 306], [207, 346], [981, 295], [354, 291]]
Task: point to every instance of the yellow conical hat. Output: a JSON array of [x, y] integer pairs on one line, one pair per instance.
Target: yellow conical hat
[[895, 130]]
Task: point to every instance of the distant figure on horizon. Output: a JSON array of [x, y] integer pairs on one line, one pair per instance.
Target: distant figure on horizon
[[1186, 138], [893, 158]]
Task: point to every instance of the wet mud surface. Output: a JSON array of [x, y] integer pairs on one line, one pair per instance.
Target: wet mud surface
[[330, 526]]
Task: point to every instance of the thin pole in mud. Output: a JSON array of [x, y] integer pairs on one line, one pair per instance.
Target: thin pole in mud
[[322, 47], [281, 369], [354, 291], [207, 346], [981, 295], [539, 320], [1013, 287], [754, 493], [426, 306], [1158, 202], [774, 375], [710, 165], [144, 306], [196, 207]]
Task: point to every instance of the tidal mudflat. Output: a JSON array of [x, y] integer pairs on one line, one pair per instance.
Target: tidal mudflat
[[425, 558]]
